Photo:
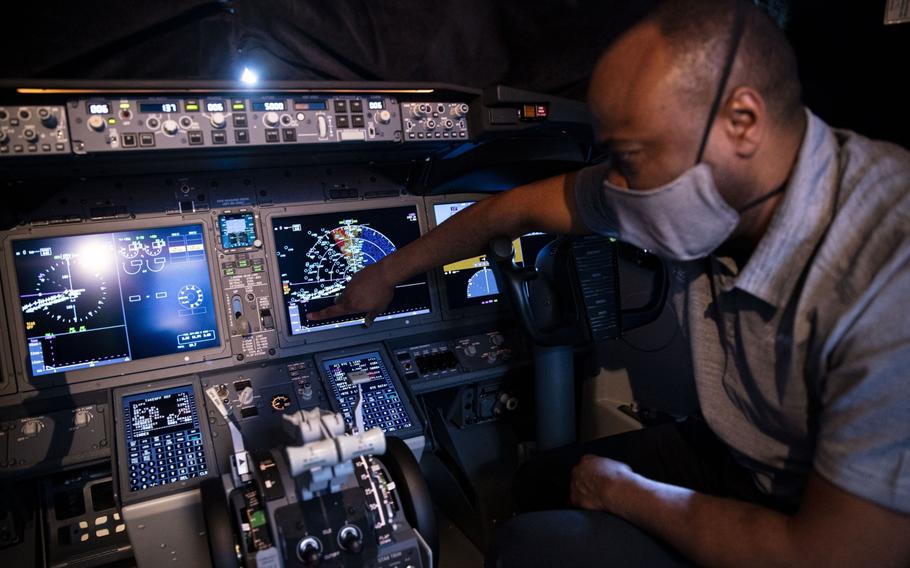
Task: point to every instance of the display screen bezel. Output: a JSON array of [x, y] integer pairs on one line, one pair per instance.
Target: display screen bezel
[[14, 314], [285, 337], [126, 494]]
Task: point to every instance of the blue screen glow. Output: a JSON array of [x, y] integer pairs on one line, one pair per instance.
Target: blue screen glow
[[100, 299]]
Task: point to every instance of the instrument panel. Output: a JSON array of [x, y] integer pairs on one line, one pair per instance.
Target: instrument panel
[[115, 298], [163, 247], [119, 123], [221, 295]]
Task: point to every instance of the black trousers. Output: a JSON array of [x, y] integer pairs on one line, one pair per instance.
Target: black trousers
[[548, 533]]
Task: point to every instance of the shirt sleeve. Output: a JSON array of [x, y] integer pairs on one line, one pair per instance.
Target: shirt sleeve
[[864, 422], [589, 200]]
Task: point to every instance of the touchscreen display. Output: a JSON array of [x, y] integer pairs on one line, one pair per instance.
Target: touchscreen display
[[163, 438], [101, 299], [319, 254], [366, 378]]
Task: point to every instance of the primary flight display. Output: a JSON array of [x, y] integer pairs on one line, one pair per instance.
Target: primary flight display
[[106, 298]]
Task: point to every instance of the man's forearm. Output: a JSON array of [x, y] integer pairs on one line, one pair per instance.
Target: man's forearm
[[712, 531], [545, 205]]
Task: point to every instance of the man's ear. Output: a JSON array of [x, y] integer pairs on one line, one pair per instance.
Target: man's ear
[[745, 121]]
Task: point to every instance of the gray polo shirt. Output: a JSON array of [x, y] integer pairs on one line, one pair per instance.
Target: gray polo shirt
[[801, 357]]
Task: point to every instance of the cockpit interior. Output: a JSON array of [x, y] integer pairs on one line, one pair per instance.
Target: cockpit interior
[[164, 398]]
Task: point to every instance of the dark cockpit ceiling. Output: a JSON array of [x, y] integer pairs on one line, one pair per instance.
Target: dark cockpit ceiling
[[847, 59]]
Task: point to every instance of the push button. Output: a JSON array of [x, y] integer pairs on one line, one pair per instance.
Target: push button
[[289, 134], [242, 136], [195, 137], [341, 106], [240, 121], [219, 137], [342, 122], [146, 139], [357, 120], [271, 135]]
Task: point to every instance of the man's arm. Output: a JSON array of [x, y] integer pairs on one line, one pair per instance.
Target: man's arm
[[546, 205], [832, 527]]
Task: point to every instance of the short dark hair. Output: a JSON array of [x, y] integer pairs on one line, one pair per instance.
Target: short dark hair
[[700, 31]]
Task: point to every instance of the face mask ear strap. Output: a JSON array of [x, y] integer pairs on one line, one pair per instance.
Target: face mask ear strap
[[739, 22]]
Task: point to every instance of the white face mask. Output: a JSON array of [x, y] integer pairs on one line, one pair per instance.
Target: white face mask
[[682, 220]]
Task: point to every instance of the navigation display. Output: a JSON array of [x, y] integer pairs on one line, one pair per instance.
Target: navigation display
[[100, 299], [470, 282], [319, 254], [163, 438], [365, 378]]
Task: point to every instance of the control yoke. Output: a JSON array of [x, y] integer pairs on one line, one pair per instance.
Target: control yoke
[[571, 294], [534, 296]]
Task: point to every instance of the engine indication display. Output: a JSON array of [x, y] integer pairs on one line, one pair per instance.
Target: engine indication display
[[238, 230], [319, 254], [100, 299]]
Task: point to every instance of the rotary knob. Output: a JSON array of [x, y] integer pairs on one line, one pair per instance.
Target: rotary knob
[[271, 118], [218, 120], [309, 551], [350, 539], [170, 127], [48, 120], [460, 110], [422, 109], [96, 123], [31, 428], [82, 418], [30, 134], [384, 116], [3, 137]]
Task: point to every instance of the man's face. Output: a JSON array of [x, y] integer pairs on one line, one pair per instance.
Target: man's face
[[651, 134]]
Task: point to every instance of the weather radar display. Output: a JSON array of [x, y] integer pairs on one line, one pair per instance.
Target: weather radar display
[[319, 254]]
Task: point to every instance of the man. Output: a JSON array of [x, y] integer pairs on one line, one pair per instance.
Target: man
[[789, 247]]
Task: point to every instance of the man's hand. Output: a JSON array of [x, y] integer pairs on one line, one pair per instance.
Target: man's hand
[[369, 292], [596, 482], [832, 527]]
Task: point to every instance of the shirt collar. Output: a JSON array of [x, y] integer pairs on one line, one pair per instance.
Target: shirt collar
[[800, 221]]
